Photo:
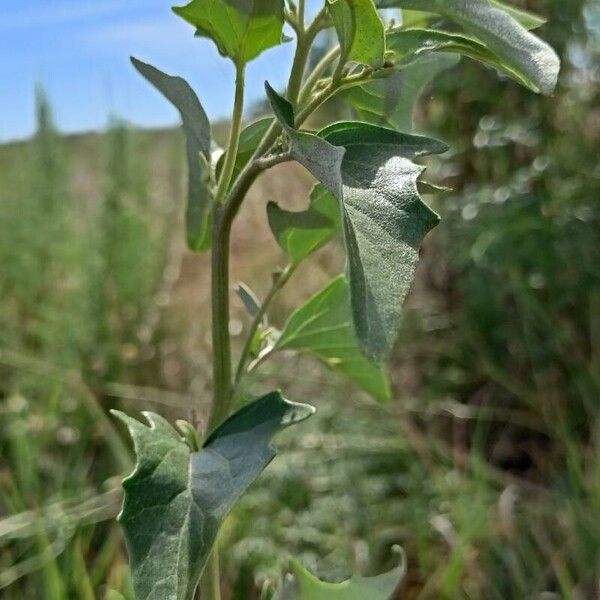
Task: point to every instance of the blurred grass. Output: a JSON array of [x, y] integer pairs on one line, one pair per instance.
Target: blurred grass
[[486, 467]]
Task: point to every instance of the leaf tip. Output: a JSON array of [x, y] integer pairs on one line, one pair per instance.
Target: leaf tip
[[296, 412]]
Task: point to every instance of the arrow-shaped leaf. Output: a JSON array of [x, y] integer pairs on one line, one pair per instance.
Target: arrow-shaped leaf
[[197, 132], [241, 29], [384, 223], [384, 219], [299, 234], [323, 327], [176, 499], [305, 586]]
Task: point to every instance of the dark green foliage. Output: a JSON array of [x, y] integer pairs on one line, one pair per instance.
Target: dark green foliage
[[176, 499]]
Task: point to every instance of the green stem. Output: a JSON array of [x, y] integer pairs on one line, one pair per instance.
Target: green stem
[[317, 73], [210, 582], [234, 136], [262, 311], [301, 15]]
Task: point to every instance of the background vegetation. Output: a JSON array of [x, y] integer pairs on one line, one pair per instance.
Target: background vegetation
[[485, 468]]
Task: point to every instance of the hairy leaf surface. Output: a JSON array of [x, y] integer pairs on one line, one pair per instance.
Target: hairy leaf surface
[[176, 499], [321, 158], [516, 48], [299, 234], [411, 43], [197, 133], [305, 586], [323, 327], [384, 222], [526, 18], [360, 31], [241, 29], [384, 219]]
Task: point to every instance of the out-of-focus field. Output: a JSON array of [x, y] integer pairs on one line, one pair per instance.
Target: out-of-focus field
[[485, 468]]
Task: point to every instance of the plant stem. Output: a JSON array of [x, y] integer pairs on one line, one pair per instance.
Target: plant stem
[[301, 15], [277, 285], [234, 135], [221, 344], [318, 72]]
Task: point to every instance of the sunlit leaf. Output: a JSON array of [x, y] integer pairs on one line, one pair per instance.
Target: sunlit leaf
[[500, 30], [299, 234], [197, 133], [176, 499], [409, 44], [360, 31], [241, 29], [323, 327]]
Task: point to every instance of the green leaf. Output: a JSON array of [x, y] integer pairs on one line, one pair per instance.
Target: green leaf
[[176, 499], [250, 139], [408, 44], [197, 132], [526, 18], [299, 234], [391, 101], [417, 18], [323, 327], [360, 31], [384, 222], [384, 219], [248, 298], [305, 586], [114, 595], [521, 52], [321, 158], [241, 29]]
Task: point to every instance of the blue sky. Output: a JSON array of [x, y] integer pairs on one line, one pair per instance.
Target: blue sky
[[79, 49]]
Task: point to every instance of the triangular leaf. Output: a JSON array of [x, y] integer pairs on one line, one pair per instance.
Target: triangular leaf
[[176, 499], [384, 223], [522, 53], [241, 29], [197, 132], [391, 101], [384, 219], [360, 31], [305, 586], [323, 327], [299, 234]]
